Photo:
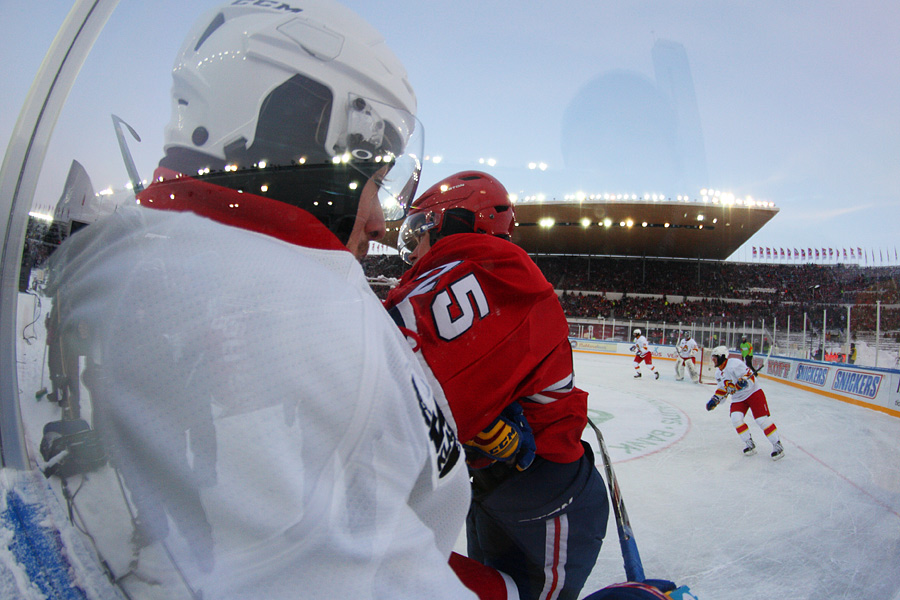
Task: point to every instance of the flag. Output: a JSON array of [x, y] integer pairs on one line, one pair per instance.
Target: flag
[[803, 254], [845, 254], [796, 254], [817, 253], [754, 251], [768, 252], [852, 254], [830, 252], [782, 253]]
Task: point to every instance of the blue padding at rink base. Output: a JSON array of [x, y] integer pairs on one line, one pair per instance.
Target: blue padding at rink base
[[38, 549]]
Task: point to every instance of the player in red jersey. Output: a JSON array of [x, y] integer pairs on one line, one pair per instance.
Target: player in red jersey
[[489, 325]]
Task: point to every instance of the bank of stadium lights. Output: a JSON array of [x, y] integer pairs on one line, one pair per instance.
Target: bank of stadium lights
[[491, 162], [540, 166], [729, 199], [41, 216], [585, 222], [547, 222], [707, 196]]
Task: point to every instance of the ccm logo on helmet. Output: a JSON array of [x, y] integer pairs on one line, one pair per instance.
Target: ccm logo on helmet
[[267, 4]]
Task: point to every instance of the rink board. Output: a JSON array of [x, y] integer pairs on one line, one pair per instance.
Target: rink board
[[877, 389]]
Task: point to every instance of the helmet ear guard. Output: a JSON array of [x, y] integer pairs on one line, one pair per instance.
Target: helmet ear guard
[[457, 220]]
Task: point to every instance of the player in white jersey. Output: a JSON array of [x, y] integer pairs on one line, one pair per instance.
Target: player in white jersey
[[687, 350], [642, 354], [273, 434], [734, 378]]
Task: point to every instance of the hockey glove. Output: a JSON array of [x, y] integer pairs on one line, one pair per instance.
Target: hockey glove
[[508, 439], [713, 402], [649, 589], [741, 383]]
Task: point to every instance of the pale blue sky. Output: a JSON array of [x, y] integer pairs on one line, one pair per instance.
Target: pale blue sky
[[799, 102]]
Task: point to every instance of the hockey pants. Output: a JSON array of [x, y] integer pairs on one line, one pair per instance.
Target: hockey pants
[[760, 408], [543, 526]]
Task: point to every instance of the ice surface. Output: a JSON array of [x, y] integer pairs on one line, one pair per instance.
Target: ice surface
[[823, 522]]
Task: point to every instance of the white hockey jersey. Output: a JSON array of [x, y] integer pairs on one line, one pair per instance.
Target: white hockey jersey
[[736, 379], [641, 346], [687, 348], [269, 423]]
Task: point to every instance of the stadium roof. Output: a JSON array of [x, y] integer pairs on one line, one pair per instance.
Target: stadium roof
[[654, 228]]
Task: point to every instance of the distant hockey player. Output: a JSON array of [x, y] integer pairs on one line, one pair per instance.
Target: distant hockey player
[[687, 350], [490, 327], [641, 349], [735, 378], [747, 352], [231, 298]]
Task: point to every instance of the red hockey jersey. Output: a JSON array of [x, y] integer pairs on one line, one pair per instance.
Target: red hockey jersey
[[490, 327]]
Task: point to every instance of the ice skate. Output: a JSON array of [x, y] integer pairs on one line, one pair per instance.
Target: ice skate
[[750, 450], [657, 374], [637, 375], [777, 451]]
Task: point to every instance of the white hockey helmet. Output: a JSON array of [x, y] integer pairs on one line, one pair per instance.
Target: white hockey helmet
[[719, 354], [636, 333], [301, 84]]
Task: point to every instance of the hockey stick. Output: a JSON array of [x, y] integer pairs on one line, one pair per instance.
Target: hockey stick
[[765, 361], [634, 570]]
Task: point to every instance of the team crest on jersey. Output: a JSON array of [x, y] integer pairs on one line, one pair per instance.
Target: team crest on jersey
[[439, 432]]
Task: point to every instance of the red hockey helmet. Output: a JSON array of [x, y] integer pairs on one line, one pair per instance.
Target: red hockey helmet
[[467, 202]]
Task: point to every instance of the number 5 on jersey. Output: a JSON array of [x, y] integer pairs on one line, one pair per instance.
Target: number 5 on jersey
[[464, 297]]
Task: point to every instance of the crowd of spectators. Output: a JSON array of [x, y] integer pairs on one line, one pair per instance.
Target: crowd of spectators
[[707, 292], [682, 291], [663, 290], [41, 239]]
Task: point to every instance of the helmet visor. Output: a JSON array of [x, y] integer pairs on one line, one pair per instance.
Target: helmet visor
[[379, 134], [411, 232]]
